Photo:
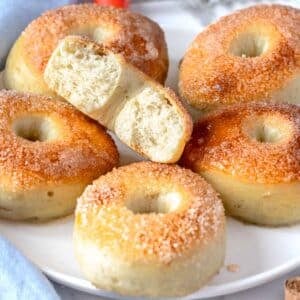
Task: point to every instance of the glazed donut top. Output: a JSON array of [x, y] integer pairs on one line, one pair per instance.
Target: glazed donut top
[[44, 141], [253, 142], [110, 212], [139, 39], [244, 57]]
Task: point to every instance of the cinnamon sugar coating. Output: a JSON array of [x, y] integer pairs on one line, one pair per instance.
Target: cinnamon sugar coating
[[103, 217], [139, 39], [222, 141], [80, 151]]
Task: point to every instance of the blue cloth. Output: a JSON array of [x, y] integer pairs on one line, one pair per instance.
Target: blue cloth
[[20, 279], [15, 15]]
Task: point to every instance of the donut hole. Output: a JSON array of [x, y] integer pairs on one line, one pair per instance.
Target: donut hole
[[160, 203], [34, 128], [249, 44], [268, 129], [134, 124], [97, 34]]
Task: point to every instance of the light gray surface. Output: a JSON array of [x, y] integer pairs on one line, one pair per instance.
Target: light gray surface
[[270, 291]]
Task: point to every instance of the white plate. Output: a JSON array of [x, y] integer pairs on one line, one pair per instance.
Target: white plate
[[261, 253]]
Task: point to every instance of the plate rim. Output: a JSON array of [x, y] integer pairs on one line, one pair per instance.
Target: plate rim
[[235, 286]]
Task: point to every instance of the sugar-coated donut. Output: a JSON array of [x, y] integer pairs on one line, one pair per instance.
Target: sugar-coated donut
[[250, 155], [150, 229], [49, 152], [250, 55], [139, 39]]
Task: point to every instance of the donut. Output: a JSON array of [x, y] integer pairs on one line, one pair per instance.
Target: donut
[[49, 152], [250, 155], [145, 115], [251, 55], [140, 40], [149, 229]]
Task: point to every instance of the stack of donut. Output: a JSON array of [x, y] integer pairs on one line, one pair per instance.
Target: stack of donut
[[244, 67], [151, 228]]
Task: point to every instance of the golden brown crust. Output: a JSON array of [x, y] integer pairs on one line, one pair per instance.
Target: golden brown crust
[[221, 141], [139, 39], [81, 152], [103, 217], [211, 76]]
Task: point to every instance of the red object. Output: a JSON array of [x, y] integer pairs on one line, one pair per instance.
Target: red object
[[115, 3]]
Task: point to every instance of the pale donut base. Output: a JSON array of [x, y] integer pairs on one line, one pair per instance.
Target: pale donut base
[[37, 204], [263, 204], [131, 278]]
